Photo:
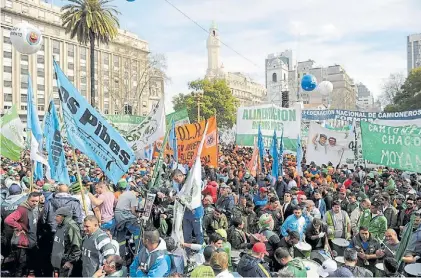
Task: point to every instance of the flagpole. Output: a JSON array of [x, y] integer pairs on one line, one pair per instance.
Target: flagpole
[[80, 182], [31, 185]]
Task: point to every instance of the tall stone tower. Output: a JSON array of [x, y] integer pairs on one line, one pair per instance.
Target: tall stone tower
[[213, 45]]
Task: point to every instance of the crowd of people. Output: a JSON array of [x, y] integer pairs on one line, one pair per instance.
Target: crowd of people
[[247, 225]]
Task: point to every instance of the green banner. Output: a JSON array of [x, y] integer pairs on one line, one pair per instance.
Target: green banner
[[180, 117], [396, 147], [124, 123], [11, 135]]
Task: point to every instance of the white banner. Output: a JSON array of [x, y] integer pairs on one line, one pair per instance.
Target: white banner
[[270, 117], [325, 145], [151, 129]]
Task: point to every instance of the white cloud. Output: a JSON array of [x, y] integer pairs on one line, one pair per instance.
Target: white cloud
[[329, 32]]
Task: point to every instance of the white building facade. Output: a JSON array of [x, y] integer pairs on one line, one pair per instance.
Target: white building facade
[[245, 90], [118, 66]]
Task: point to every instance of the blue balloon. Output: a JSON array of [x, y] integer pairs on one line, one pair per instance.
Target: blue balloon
[[308, 82]]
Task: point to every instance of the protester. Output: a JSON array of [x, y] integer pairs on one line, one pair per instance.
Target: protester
[[96, 246], [24, 221], [296, 266], [66, 250], [205, 270], [253, 265]]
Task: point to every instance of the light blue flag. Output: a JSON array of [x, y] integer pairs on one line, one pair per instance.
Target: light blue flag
[[281, 154], [299, 155], [173, 141], [274, 150], [34, 126], [54, 146], [261, 147], [88, 131]]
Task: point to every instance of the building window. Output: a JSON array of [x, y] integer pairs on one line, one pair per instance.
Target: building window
[[7, 69], [56, 47], [70, 66], [24, 58], [24, 85], [24, 71], [23, 107], [8, 19], [7, 40], [285, 77], [7, 54], [9, 4], [274, 77], [70, 50], [40, 72], [7, 84], [24, 98], [8, 97], [40, 87], [40, 59]]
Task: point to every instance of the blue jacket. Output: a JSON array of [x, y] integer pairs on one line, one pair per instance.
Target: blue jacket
[[293, 224], [198, 213], [258, 201], [154, 264]]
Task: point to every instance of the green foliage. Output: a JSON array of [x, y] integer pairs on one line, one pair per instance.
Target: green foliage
[[86, 18], [409, 98], [217, 100]]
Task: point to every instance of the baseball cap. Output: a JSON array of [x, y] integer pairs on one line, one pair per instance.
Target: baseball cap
[[327, 267], [263, 189], [122, 184], [260, 247], [15, 189]]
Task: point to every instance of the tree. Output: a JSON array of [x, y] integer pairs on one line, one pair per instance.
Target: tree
[[409, 98], [133, 84], [215, 98], [391, 88], [90, 21]]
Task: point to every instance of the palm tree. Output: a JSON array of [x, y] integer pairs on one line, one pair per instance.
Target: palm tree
[[90, 21]]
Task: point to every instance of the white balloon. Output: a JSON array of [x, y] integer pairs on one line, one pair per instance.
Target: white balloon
[[325, 87], [26, 38]]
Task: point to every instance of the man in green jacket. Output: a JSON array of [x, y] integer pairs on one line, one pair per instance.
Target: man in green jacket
[[378, 223], [295, 266], [67, 243]]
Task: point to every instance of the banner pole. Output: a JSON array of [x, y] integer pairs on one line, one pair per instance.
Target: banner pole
[[31, 185], [80, 182]]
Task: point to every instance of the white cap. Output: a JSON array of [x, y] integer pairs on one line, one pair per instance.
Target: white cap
[[327, 267]]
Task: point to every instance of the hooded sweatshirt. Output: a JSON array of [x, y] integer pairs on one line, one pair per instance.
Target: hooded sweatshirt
[[250, 266], [24, 218], [296, 266], [156, 263]]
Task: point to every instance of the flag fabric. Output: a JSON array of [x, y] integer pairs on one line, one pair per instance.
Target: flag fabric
[[281, 154], [274, 150], [12, 140], [150, 130], [254, 161], [261, 147], [34, 127], [88, 131], [177, 231], [299, 155], [191, 193], [54, 146], [405, 240], [38, 158], [156, 177], [173, 142]]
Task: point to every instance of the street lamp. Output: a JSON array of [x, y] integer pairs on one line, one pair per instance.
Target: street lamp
[[198, 96]]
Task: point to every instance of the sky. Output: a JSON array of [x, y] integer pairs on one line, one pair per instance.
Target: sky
[[368, 38]]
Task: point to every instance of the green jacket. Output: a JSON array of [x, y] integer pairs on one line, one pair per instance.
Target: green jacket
[[227, 248], [365, 219], [296, 266], [378, 226], [350, 207]]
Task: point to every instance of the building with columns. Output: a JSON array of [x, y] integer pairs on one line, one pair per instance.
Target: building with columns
[[120, 86], [242, 87]]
